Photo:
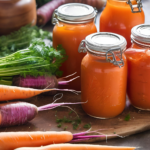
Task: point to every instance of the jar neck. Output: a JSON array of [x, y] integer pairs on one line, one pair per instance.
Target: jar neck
[[114, 57], [121, 2], [138, 44], [76, 22]]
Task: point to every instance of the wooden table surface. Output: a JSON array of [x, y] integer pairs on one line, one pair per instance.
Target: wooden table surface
[[141, 140]]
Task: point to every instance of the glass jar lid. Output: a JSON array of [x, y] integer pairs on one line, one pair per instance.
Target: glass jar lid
[[141, 33], [105, 44], [104, 41], [75, 12]]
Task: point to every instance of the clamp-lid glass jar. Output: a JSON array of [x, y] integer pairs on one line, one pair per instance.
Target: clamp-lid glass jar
[[120, 16], [73, 22], [103, 75], [138, 59]]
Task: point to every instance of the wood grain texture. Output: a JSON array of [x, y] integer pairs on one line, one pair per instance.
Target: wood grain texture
[[46, 120]]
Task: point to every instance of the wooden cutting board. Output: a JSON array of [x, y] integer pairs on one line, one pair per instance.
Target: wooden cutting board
[[46, 120]]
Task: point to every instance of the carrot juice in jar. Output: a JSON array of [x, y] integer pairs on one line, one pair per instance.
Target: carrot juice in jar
[[120, 16], [73, 22], [103, 75], [138, 59]]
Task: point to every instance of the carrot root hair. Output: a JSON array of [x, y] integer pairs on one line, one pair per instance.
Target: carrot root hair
[[54, 105]]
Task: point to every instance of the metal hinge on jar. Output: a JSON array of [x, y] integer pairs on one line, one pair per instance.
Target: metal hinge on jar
[[113, 60], [135, 6], [54, 17], [82, 47]]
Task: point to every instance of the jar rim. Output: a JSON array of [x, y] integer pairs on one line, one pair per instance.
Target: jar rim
[[104, 41], [75, 12], [141, 34]]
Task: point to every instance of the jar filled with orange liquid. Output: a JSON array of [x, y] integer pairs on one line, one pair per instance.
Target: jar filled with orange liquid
[[120, 16], [73, 22], [103, 75], [138, 59]]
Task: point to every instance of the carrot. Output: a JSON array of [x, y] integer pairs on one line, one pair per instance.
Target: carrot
[[14, 92], [77, 147], [34, 139], [45, 12], [41, 82], [12, 140], [18, 113]]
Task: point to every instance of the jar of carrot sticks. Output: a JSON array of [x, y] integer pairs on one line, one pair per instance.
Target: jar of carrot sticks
[[16, 13], [120, 16], [138, 59], [103, 75], [73, 22]]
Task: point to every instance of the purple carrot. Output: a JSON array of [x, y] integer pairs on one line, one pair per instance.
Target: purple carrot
[[41, 82], [17, 113], [44, 13]]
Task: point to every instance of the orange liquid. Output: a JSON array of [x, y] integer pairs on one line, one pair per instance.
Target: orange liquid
[[138, 86], [103, 87], [70, 37], [118, 18]]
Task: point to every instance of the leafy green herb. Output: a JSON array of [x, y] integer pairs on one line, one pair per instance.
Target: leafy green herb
[[38, 59], [66, 120], [114, 132], [59, 120], [127, 118], [75, 126], [78, 120], [21, 39], [75, 123], [65, 128], [87, 126], [59, 125]]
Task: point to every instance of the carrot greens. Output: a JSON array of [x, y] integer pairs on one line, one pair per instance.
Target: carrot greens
[[21, 39], [127, 117], [87, 126], [38, 59], [75, 122]]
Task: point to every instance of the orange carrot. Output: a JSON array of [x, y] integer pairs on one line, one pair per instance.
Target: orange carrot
[[14, 92], [12, 140], [77, 147]]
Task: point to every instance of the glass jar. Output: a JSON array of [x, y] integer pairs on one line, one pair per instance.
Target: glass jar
[[138, 59], [73, 22], [16, 13], [103, 75], [120, 16]]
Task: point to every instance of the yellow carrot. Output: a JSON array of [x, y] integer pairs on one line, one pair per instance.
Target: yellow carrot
[[76, 147], [12, 140]]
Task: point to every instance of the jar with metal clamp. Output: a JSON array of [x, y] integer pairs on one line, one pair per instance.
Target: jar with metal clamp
[[120, 16], [73, 22], [103, 75], [138, 59]]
